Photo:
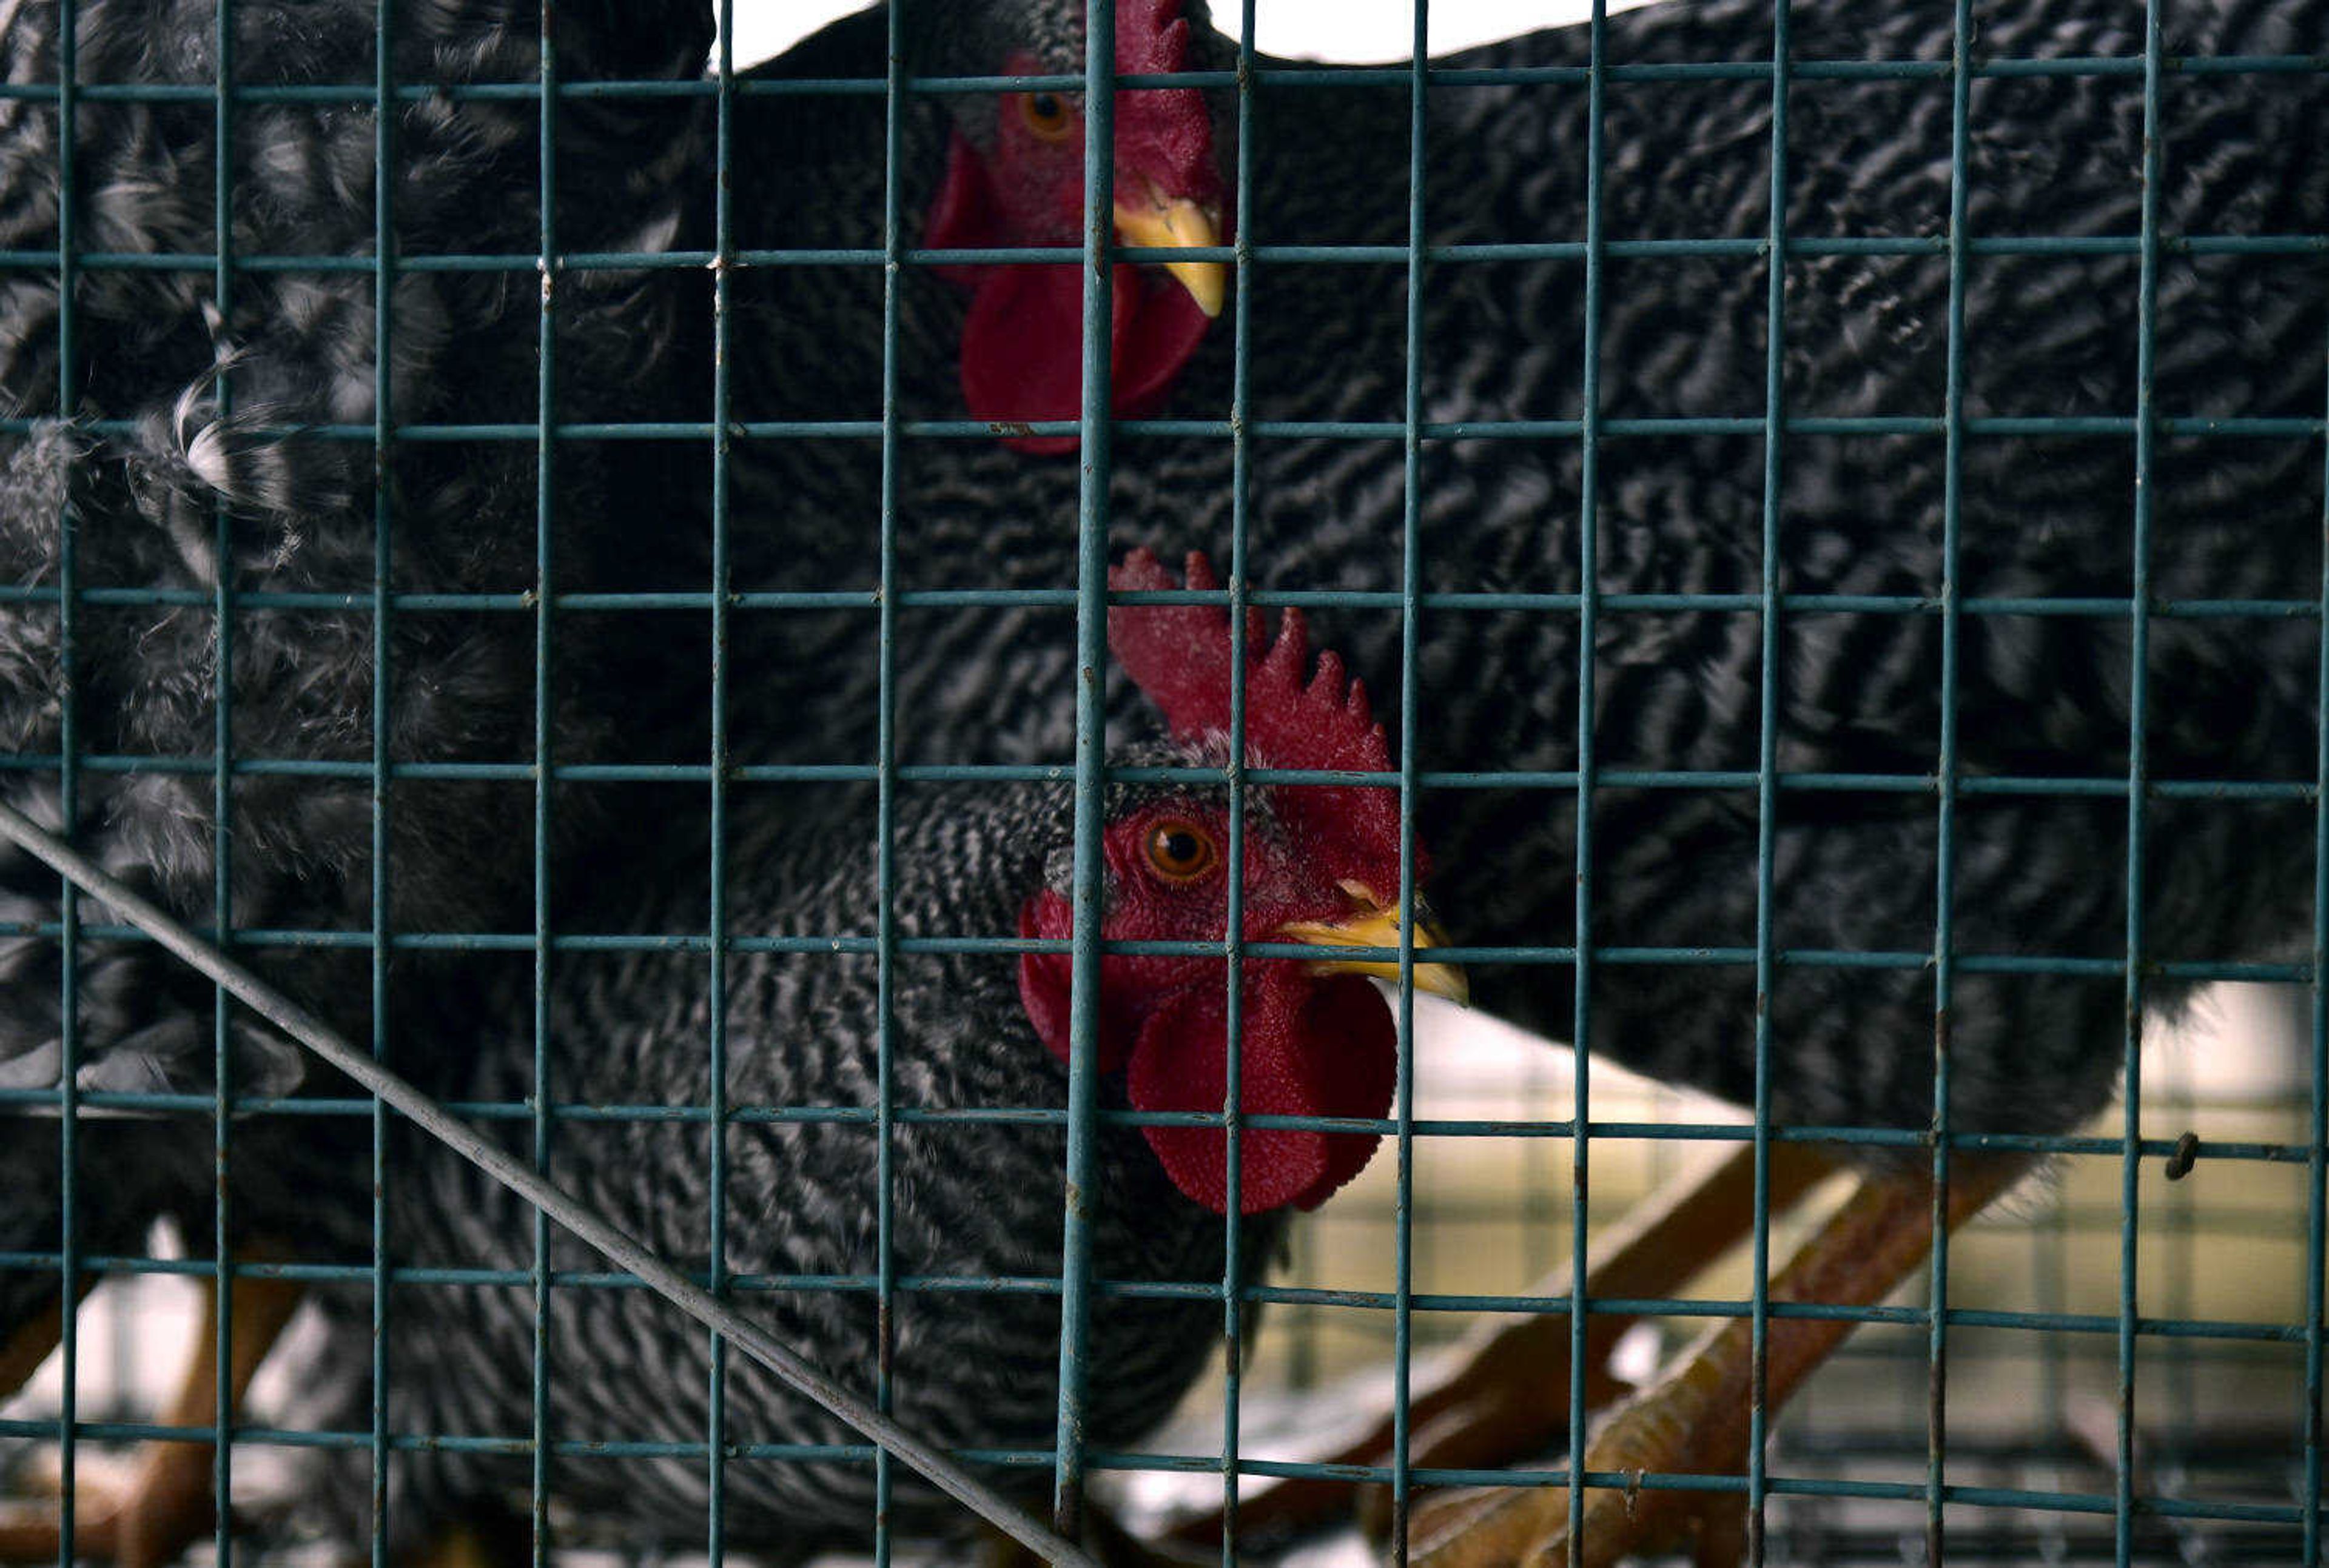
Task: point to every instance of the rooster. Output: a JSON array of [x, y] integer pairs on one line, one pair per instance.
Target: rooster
[[970, 1198], [145, 430], [174, 421], [2042, 513]]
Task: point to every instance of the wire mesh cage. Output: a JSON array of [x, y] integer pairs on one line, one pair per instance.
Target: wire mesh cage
[[604, 788]]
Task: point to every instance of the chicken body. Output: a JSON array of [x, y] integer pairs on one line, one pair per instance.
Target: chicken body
[[971, 1200], [161, 453], [2043, 514], [968, 1048]]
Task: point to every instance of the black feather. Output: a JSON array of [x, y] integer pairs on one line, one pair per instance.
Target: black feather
[[176, 452], [2238, 332]]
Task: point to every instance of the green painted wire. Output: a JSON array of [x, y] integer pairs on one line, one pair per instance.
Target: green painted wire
[[2261, 429], [1283, 251], [546, 474], [1233, 1283], [1945, 953], [2137, 768], [723, 436], [1411, 535], [885, 762], [2317, 1171], [383, 434], [1767, 797], [68, 799], [222, 1412], [1589, 615], [1093, 428]]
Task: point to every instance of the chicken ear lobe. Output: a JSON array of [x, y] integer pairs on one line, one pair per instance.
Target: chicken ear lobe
[[1046, 984], [961, 218]]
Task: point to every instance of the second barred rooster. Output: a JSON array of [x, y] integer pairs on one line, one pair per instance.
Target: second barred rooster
[[975, 1041]]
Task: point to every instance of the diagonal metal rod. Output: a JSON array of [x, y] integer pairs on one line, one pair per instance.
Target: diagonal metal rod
[[619, 1246]]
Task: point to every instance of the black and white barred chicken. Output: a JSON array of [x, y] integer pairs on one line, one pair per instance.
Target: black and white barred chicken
[[165, 450], [970, 1363], [2050, 333], [2045, 487]]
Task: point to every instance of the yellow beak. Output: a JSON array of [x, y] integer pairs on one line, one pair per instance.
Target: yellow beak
[[1372, 925], [1149, 220]]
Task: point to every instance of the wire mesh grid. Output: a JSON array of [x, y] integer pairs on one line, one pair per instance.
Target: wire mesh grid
[[2033, 1407], [2204, 1343], [2032, 1386]]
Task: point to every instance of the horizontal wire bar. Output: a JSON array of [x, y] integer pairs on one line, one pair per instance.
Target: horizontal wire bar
[[2227, 1330], [1014, 946], [2087, 607], [2226, 1510], [1395, 77], [1743, 248], [2290, 428], [2101, 788], [1895, 1492], [149, 1102]]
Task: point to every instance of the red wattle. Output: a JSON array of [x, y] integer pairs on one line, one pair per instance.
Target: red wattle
[[1021, 345], [1163, 335], [1309, 1048]]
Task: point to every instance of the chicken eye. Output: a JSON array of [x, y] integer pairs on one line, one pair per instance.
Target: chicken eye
[[1046, 114], [1180, 851]]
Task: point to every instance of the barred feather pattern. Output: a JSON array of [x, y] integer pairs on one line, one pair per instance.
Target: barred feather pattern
[[168, 462], [974, 1203], [1858, 869]]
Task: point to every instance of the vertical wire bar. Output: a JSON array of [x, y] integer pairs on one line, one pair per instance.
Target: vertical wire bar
[[67, 797], [885, 759], [545, 476], [1233, 1039], [715, 1436], [1766, 769], [2317, 1158], [382, 583], [2049, 1246], [1410, 568], [1945, 839], [1539, 1161], [223, 796], [1092, 760], [2139, 775], [2176, 1223], [1588, 619]]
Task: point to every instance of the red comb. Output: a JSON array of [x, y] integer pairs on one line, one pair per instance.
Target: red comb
[[1164, 136], [1179, 657], [1152, 37]]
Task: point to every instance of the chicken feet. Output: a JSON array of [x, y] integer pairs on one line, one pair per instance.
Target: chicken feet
[[148, 1518], [1695, 1420], [30, 1346]]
